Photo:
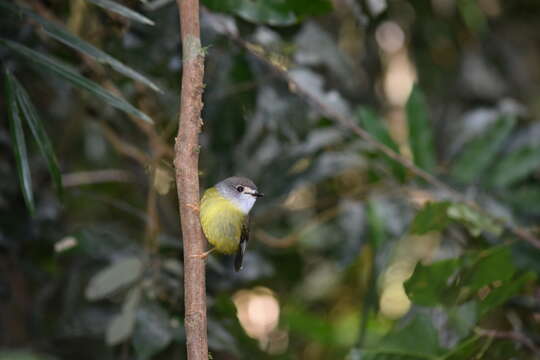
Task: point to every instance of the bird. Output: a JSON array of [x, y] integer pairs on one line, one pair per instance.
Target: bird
[[224, 216]]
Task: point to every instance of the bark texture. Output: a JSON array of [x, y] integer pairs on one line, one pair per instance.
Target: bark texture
[[186, 163]]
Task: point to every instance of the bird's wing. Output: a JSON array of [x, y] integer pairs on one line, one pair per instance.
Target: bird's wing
[[244, 237]]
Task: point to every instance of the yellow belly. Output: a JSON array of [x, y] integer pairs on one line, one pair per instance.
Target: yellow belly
[[221, 221]]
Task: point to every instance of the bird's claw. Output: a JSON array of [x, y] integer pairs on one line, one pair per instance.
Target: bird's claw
[[193, 207], [202, 256]]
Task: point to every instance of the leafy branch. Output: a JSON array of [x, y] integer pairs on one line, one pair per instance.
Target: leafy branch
[[349, 123]]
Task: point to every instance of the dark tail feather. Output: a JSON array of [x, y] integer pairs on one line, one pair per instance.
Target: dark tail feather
[[239, 258]]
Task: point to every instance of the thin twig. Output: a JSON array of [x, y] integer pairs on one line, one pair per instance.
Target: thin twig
[[510, 335], [95, 177], [152, 226], [124, 147], [350, 124], [186, 163], [121, 205]]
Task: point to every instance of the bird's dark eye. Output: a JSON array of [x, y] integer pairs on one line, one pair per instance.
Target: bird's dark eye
[[240, 188]]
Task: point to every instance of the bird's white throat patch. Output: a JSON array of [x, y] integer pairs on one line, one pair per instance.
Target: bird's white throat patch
[[244, 202]]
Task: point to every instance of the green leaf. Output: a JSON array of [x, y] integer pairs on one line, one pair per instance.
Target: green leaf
[[492, 265], [305, 8], [473, 220], [374, 125], [516, 166], [19, 143], [122, 10], [502, 293], [271, 12], [436, 217], [64, 36], [428, 285], [478, 153], [68, 73], [120, 328], [417, 340], [113, 278], [38, 131], [473, 15], [432, 217], [153, 332], [465, 350], [420, 132], [501, 349], [122, 325]]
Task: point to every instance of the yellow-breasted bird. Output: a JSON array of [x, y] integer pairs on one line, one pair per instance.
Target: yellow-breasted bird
[[224, 215]]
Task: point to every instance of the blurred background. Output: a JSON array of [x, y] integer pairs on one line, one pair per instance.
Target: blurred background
[[352, 255]]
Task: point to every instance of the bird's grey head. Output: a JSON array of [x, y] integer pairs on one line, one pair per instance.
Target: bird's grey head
[[241, 191]]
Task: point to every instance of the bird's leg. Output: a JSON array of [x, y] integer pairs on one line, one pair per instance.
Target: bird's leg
[[204, 255], [193, 207]]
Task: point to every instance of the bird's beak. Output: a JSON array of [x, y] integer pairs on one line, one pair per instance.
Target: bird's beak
[[257, 194]]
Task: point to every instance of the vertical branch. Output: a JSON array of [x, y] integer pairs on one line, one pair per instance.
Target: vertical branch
[[186, 163]]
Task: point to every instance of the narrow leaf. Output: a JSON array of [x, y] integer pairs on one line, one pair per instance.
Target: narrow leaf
[[19, 143], [72, 75], [478, 154], [122, 10], [374, 125], [467, 349], [516, 166], [420, 133], [122, 325], [113, 278], [36, 126], [64, 36], [120, 328]]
